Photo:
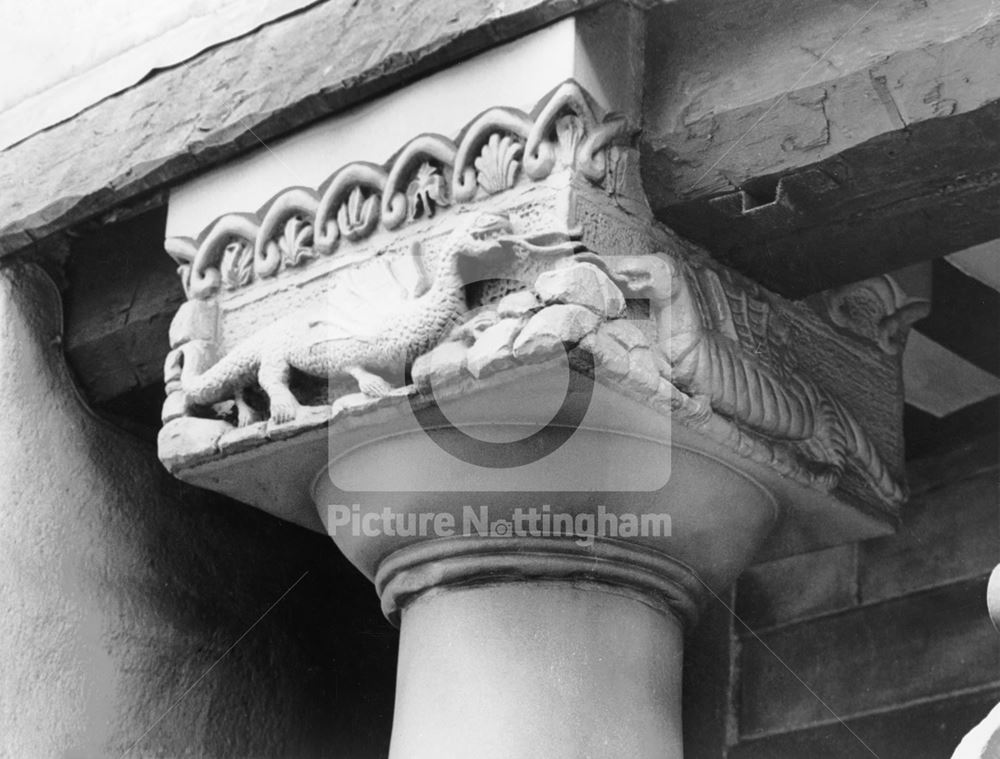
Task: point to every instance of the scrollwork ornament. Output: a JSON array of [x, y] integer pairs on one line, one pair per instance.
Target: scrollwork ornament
[[429, 173]]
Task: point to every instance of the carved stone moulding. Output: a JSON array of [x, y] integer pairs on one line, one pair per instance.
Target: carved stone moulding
[[532, 232], [498, 150]]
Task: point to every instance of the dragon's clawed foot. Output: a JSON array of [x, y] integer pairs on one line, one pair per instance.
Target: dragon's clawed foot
[[371, 384], [283, 411], [245, 413]]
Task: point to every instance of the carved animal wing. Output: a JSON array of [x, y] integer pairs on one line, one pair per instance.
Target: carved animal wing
[[747, 318], [363, 297]]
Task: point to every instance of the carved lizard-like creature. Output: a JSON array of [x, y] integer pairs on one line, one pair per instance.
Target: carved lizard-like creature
[[381, 342]]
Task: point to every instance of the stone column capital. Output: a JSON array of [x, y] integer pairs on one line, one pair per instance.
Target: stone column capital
[[808, 402], [496, 321]]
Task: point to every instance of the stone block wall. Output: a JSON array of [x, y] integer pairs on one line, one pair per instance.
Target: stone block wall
[[882, 647]]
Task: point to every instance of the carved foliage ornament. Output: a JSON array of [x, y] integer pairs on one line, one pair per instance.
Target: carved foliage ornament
[[717, 355], [499, 148]]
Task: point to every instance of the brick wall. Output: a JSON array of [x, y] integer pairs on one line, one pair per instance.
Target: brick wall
[[882, 647]]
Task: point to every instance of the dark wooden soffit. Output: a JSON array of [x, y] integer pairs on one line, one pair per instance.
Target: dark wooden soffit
[[891, 155], [226, 100]]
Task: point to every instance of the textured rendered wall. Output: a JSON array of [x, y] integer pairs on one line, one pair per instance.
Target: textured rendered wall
[[121, 589]]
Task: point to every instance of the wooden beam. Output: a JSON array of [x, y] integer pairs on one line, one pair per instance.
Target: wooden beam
[[818, 151], [738, 89], [904, 197]]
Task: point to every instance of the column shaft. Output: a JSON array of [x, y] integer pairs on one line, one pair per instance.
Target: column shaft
[[522, 670]]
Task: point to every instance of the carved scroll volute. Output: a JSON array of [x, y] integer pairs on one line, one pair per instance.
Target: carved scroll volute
[[183, 250], [878, 310], [592, 160], [569, 115]]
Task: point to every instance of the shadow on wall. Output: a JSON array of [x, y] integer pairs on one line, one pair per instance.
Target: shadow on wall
[[126, 591]]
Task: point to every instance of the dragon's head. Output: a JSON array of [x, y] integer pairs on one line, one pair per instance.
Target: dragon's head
[[654, 277], [487, 235]]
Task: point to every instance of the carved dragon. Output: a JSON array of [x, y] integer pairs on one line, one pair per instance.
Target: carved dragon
[[727, 346], [371, 331]]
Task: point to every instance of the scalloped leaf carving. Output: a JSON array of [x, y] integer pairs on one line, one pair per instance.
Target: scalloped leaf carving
[[497, 165]]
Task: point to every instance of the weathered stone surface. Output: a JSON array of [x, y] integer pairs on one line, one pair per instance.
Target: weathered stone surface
[[173, 407], [518, 304], [493, 350], [798, 587], [470, 330], [446, 361], [965, 460], [188, 440], [550, 329], [643, 373], [309, 417], [238, 439], [609, 355], [624, 333], [236, 96], [869, 658], [947, 534], [927, 729], [350, 403], [353, 404], [583, 284]]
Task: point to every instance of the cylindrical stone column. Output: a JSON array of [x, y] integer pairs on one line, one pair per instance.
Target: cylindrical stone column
[[536, 648]]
